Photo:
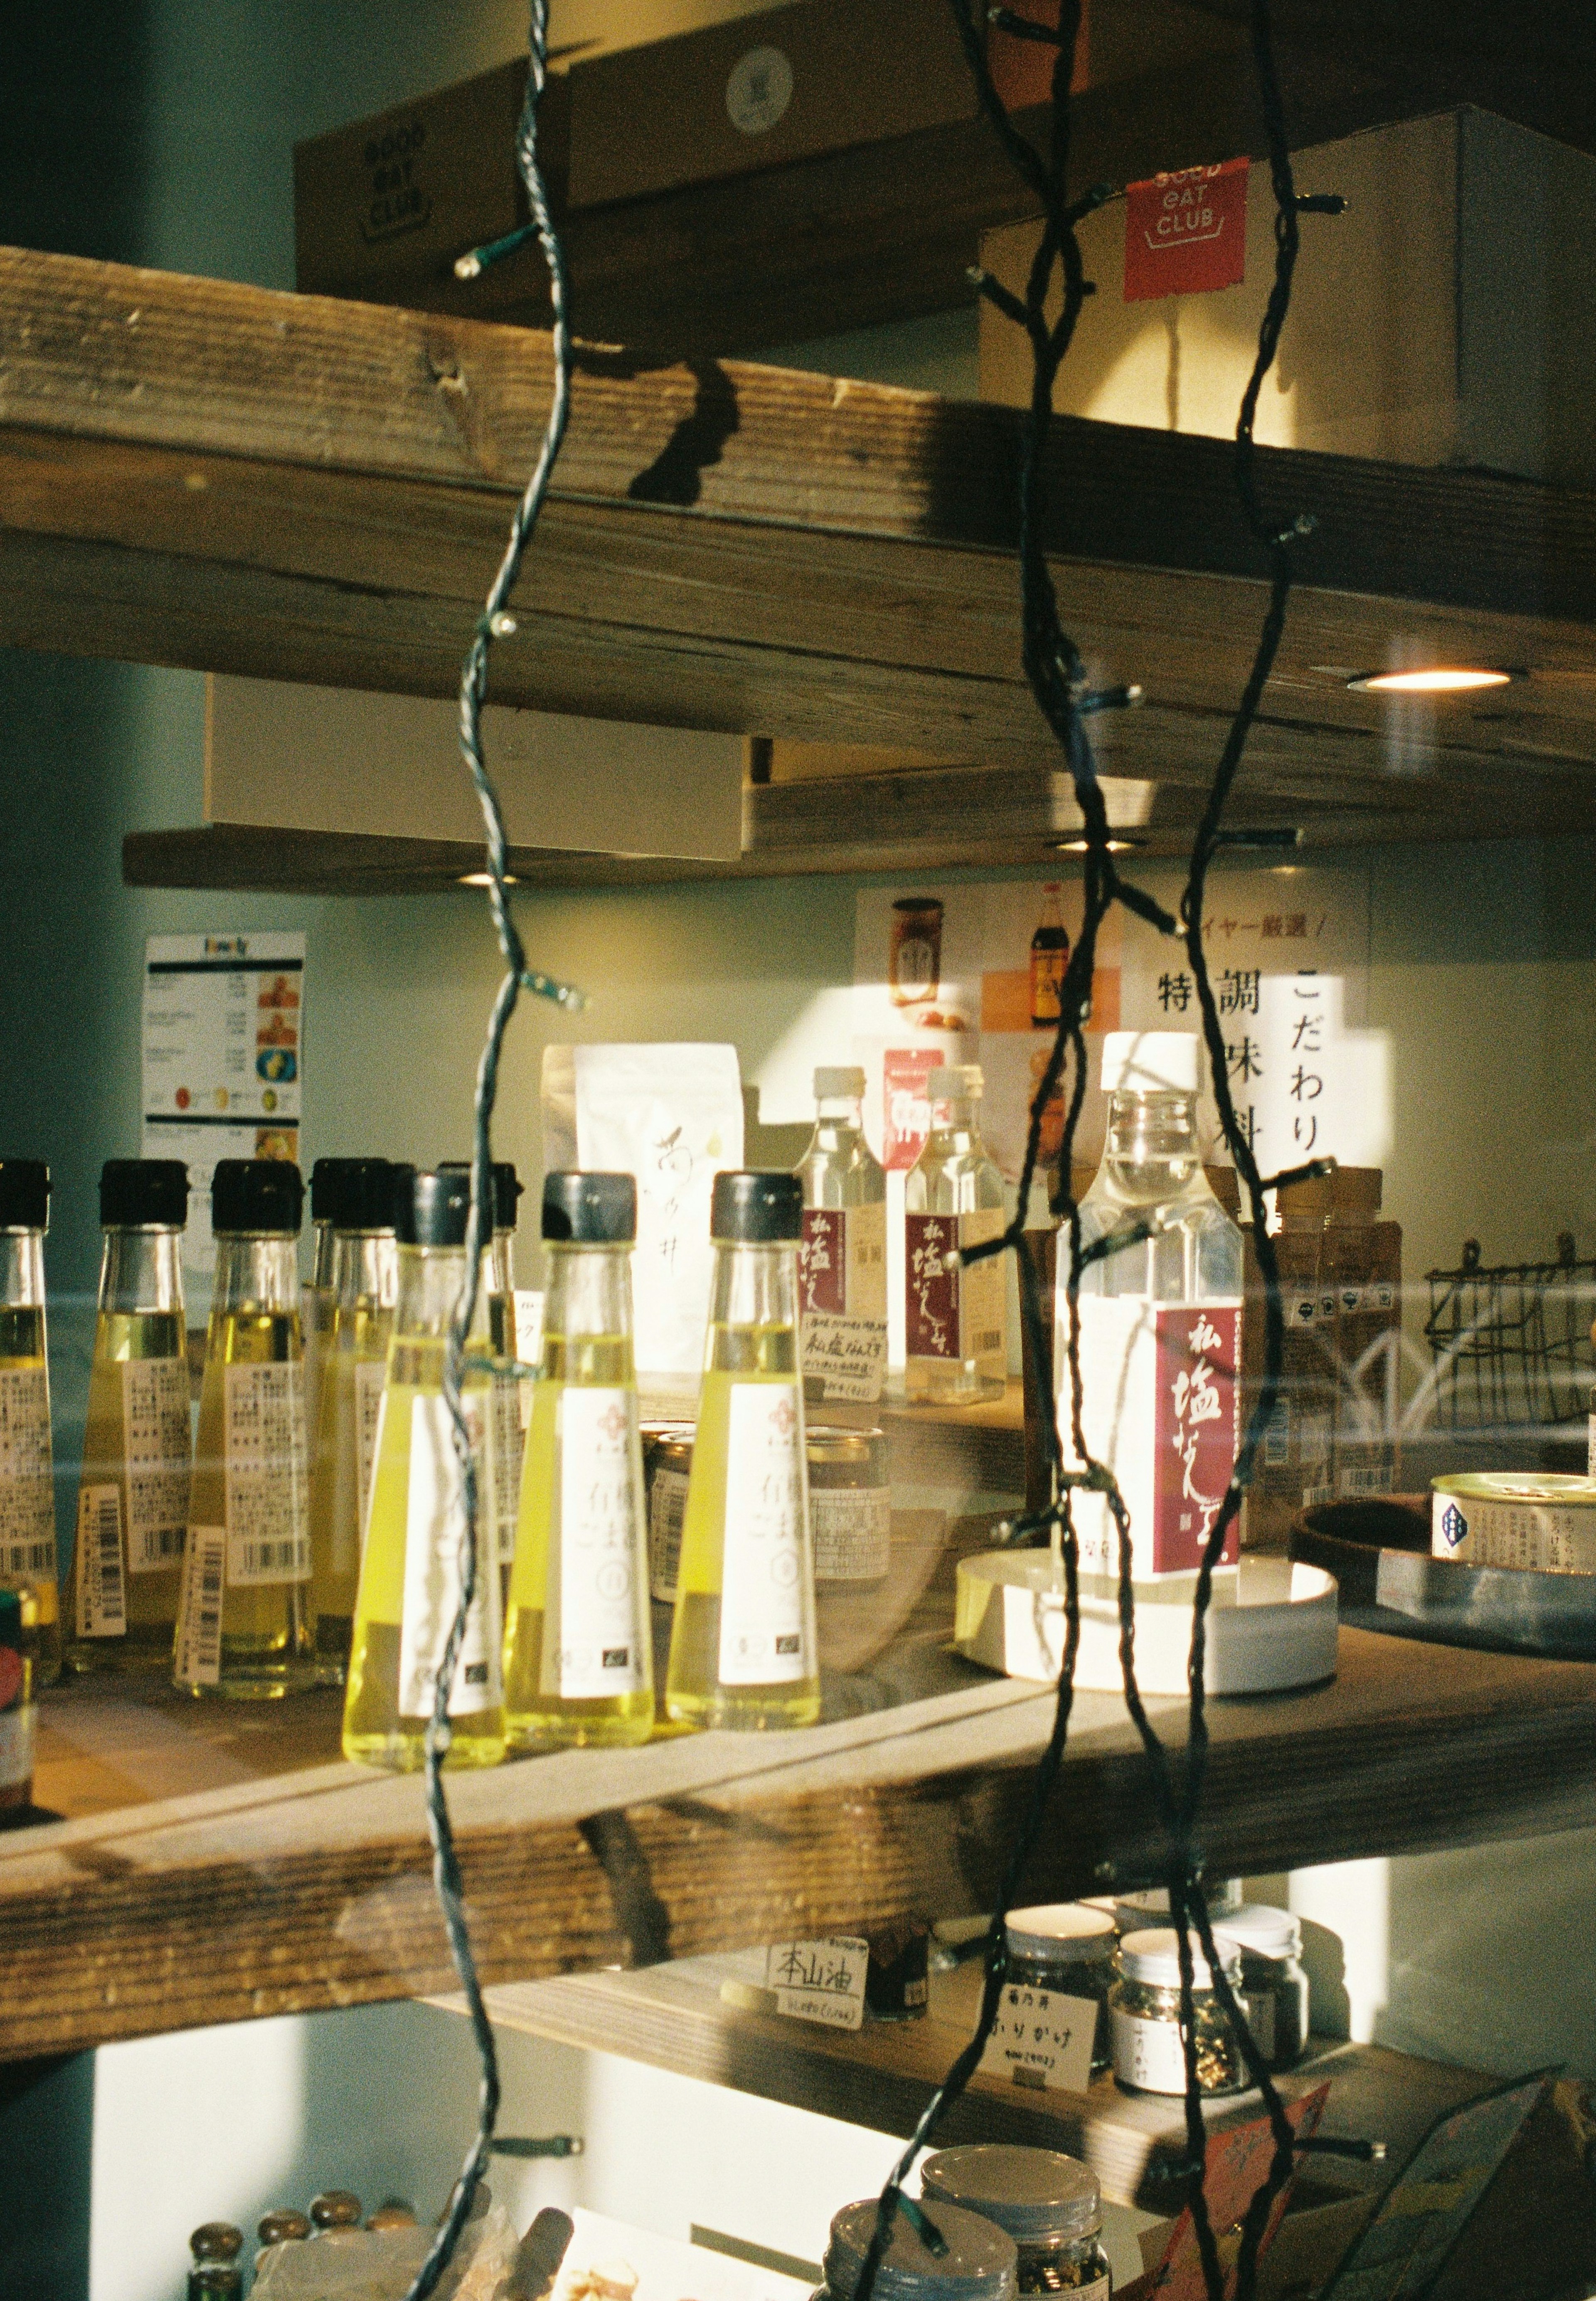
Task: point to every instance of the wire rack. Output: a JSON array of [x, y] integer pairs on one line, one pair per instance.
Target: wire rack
[[1512, 1343]]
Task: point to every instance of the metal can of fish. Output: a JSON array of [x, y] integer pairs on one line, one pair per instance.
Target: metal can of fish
[[1538, 1522]]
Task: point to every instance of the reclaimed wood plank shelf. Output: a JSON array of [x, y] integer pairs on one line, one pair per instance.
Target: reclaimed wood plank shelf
[[200, 473], [673, 2017], [214, 1863]]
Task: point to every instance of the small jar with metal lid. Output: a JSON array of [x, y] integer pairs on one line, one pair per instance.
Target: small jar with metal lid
[[1135, 1913], [850, 1503], [980, 2263], [1050, 2204], [1066, 1946], [667, 1466], [1274, 1985], [1144, 2007]]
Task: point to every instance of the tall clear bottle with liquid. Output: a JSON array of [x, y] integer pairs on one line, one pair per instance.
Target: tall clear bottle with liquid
[[1160, 1318], [244, 1615], [119, 1599], [743, 1652], [509, 1439], [26, 1464], [578, 1659], [955, 1318], [411, 1568], [842, 1255], [318, 1299], [353, 1368]]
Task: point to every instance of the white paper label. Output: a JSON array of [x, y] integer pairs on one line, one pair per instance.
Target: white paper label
[[1147, 2054], [852, 1527], [1042, 2038], [667, 1507], [155, 1419], [268, 1502], [16, 1746], [601, 1511], [26, 1487], [847, 1356], [369, 1377], [199, 1616], [101, 1611], [434, 1538], [1259, 2010], [508, 1448], [820, 1980], [764, 1566]]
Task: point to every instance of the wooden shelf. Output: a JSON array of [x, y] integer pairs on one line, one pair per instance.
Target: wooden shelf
[[880, 2076], [200, 473], [215, 1863]]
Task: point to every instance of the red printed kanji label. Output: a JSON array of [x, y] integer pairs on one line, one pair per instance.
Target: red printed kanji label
[[1199, 1351], [822, 1260], [1186, 232]]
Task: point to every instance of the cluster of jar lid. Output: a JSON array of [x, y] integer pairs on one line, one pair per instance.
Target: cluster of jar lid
[[216, 2248], [1007, 2219]]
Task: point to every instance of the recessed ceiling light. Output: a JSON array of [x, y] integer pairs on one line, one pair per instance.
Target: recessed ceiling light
[[1081, 847], [1435, 679], [485, 879]]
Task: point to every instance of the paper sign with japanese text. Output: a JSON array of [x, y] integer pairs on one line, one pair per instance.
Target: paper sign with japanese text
[[1236, 2166], [1186, 231], [820, 1980], [1042, 2038]]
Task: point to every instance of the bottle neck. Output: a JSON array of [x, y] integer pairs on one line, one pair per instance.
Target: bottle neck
[[1152, 1148], [955, 1124], [255, 1270], [141, 1269], [365, 1270], [839, 1115], [754, 1285], [589, 1291], [323, 1249], [431, 1281], [22, 1269]]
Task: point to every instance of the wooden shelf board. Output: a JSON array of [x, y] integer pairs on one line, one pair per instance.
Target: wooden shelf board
[[200, 473], [882, 2075], [152, 1906]]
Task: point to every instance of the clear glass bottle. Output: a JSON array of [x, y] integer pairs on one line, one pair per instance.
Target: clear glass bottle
[[411, 1566], [1144, 2015], [1049, 959], [119, 1600], [842, 1256], [27, 1466], [500, 1282], [353, 1368], [955, 1319], [579, 1666], [318, 1300], [1069, 1947], [1050, 2204], [242, 1614], [743, 1651], [1160, 1344], [977, 2262]]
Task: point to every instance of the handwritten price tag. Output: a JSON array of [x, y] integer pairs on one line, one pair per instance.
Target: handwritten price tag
[[1042, 2038], [848, 1355], [820, 1980]]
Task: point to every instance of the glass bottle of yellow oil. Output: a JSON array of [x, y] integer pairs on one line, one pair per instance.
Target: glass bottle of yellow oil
[[120, 1598], [243, 1616], [742, 1641], [579, 1665], [27, 1468], [412, 1569], [499, 1278], [318, 1300], [353, 1368]]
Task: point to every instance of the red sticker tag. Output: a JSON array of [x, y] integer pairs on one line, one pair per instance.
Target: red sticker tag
[[1186, 232]]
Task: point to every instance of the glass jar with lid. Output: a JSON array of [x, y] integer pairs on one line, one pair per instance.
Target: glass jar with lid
[[1050, 2204], [1066, 1946], [1274, 1985], [1135, 1913], [1144, 2008], [979, 2263], [851, 1504]]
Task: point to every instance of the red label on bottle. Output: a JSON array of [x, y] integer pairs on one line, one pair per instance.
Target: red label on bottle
[[931, 1292], [1186, 232], [1195, 1431], [906, 1107], [822, 1260]]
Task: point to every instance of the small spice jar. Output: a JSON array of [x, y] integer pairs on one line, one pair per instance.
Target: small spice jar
[[851, 1504], [1050, 2204], [1066, 1946], [979, 2264], [1144, 2008], [667, 1463], [1136, 1913], [1274, 1986]]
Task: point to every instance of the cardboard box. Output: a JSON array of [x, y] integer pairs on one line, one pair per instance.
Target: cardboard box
[[1449, 317]]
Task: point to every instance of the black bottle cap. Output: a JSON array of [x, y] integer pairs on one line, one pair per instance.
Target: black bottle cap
[[10, 1635], [757, 1208], [139, 1194], [216, 2241], [440, 1207], [24, 1194], [323, 1187], [401, 1197], [258, 1194], [283, 2225], [591, 1209], [507, 1187], [362, 1195]]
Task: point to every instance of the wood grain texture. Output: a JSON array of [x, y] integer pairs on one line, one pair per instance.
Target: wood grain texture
[[276, 1893]]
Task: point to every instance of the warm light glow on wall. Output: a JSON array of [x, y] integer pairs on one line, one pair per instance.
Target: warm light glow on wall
[[1438, 678]]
